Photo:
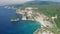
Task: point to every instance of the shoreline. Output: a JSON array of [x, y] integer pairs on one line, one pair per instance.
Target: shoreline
[[29, 14], [34, 16]]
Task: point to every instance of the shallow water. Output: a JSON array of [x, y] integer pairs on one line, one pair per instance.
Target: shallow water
[[21, 27]]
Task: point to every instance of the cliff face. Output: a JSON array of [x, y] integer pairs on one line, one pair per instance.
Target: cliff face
[[29, 14]]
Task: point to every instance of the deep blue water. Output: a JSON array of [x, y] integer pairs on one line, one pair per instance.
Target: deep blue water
[[21, 27]]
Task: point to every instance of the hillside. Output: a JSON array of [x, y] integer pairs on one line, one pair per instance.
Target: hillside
[[42, 3], [46, 7], [35, 3]]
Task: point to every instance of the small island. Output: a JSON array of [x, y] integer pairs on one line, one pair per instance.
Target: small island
[[15, 19]]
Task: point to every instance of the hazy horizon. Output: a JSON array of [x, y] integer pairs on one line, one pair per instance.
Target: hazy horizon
[[6, 2]]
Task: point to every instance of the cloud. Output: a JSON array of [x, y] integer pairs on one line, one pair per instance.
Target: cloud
[[3, 2]]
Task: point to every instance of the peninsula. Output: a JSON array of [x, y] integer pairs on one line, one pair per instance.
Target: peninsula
[[28, 13]]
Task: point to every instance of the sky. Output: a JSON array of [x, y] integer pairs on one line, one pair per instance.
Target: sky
[[4, 2]]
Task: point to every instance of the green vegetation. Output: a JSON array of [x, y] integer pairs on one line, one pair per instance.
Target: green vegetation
[[54, 30], [14, 18], [50, 11]]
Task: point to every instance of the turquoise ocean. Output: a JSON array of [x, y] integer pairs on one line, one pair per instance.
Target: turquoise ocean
[[21, 27]]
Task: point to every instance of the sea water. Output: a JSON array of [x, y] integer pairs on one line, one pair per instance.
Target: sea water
[[21, 27]]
